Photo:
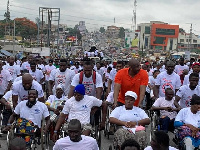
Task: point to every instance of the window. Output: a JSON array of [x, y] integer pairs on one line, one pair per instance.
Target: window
[[181, 40], [194, 41], [160, 31], [159, 40], [147, 30]]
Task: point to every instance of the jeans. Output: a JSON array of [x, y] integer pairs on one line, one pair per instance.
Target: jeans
[[167, 124]]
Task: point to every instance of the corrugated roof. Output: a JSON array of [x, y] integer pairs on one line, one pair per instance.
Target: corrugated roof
[[6, 52]]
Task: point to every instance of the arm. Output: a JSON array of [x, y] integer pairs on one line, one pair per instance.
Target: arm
[[41, 99], [60, 121], [71, 91], [99, 91], [144, 122], [177, 99], [14, 100], [8, 87], [42, 80], [12, 118], [47, 119], [117, 122], [156, 91], [5, 103], [104, 112], [117, 88], [109, 85], [50, 86], [142, 94]]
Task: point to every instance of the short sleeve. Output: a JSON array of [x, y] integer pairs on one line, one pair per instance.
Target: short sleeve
[[118, 77], [180, 92], [15, 89], [56, 146], [66, 108], [7, 95], [157, 80], [72, 75], [145, 78], [52, 75], [186, 80], [143, 115], [180, 115], [50, 99], [110, 98], [99, 82], [178, 82], [75, 80], [18, 70], [41, 74], [157, 102], [40, 91], [96, 102], [116, 112], [45, 112], [17, 108], [8, 76]]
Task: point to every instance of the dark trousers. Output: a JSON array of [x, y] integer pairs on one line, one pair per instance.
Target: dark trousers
[[148, 100], [6, 115], [167, 124]]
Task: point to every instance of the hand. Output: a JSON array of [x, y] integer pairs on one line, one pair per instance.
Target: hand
[[130, 124], [60, 107], [56, 111], [168, 109], [102, 126], [7, 128], [55, 137], [114, 105], [194, 130]]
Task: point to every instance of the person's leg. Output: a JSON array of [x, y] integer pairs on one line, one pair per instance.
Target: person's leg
[[188, 143], [141, 138], [165, 123], [87, 128], [171, 125], [6, 115], [148, 99]]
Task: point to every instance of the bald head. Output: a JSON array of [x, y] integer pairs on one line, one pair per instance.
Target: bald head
[[27, 76], [27, 80], [134, 67], [170, 63], [133, 62]]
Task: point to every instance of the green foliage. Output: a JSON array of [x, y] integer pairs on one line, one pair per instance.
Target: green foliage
[[122, 33], [102, 29], [74, 31]]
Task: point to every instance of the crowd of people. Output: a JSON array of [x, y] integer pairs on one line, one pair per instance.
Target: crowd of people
[[71, 92]]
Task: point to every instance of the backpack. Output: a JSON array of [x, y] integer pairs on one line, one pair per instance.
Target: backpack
[[93, 77]]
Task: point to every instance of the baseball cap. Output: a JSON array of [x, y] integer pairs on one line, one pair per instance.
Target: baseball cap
[[131, 93]]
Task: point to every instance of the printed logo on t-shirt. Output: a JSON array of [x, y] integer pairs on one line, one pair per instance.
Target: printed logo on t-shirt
[[167, 84], [61, 79], [37, 111], [11, 71], [88, 87], [187, 102]]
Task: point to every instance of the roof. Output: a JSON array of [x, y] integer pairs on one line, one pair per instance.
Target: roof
[[6, 53], [1, 55]]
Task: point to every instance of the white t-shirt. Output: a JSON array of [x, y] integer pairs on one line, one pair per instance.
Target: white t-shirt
[[5, 77], [136, 114], [110, 97], [54, 101], [150, 148], [87, 143], [37, 75], [81, 109], [64, 78], [18, 79], [185, 93], [48, 70], [22, 94], [100, 71], [25, 65], [41, 67], [187, 117], [107, 75], [14, 70], [90, 87], [113, 72], [162, 102], [76, 70], [165, 80], [179, 69], [186, 80], [8, 97], [152, 80], [35, 113]]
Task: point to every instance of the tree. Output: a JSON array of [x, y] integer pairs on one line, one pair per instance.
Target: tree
[[102, 29], [121, 33]]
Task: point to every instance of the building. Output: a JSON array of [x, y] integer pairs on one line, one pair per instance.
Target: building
[[158, 35], [82, 27], [112, 32]]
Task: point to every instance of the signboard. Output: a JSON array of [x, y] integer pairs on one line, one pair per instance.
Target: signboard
[[187, 55]]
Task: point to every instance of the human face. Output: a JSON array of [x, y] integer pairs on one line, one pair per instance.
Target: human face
[[59, 92], [170, 68], [27, 84], [32, 95], [78, 96], [129, 101], [169, 94], [63, 66], [130, 148], [33, 68], [156, 74], [181, 62], [87, 70], [195, 107], [74, 133], [135, 68], [30, 58], [196, 68], [119, 67], [194, 82], [12, 60]]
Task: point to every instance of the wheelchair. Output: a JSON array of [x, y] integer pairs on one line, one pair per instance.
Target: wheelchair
[[109, 128], [38, 139]]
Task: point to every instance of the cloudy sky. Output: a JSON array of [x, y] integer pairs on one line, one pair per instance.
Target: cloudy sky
[[101, 13]]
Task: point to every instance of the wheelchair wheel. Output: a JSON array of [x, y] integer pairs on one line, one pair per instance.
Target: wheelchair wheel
[[10, 136], [98, 136], [44, 138]]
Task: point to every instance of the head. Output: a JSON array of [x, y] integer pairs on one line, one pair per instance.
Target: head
[[194, 80], [24, 71], [88, 68], [33, 66], [56, 61], [59, 91], [76, 65], [192, 60], [98, 65], [79, 92], [109, 69], [119, 65], [63, 65], [169, 94], [155, 73], [74, 130], [195, 103], [32, 97], [27, 80], [12, 60], [130, 98], [170, 65], [17, 144], [181, 61], [30, 58], [134, 66], [160, 140], [130, 144], [144, 67], [196, 67], [50, 62]]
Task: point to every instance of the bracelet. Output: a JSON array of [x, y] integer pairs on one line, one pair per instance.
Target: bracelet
[[55, 131]]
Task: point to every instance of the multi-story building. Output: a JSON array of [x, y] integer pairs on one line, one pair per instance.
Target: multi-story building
[[158, 35], [82, 27], [112, 32]]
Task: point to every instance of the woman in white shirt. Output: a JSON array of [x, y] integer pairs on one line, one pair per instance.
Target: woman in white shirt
[[131, 119], [188, 119]]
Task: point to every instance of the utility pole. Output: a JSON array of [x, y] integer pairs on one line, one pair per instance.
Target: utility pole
[[14, 39], [7, 16], [133, 27], [190, 38]]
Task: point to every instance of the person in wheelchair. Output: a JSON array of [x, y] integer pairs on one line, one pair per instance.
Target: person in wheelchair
[[30, 113], [130, 121], [167, 110], [188, 122], [160, 141], [75, 140], [55, 104], [79, 107]]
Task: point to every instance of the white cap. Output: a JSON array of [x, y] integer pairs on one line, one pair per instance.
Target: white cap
[[132, 94], [59, 86]]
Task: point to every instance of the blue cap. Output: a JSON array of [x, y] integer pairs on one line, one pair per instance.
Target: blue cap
[[80, 88]]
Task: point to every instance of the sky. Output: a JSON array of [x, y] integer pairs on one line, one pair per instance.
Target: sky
[[101, 13]]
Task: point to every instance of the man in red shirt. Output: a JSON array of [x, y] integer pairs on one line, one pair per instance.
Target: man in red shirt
[[130, 79]]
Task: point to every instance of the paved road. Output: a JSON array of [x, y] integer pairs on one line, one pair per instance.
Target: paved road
[[105, 142]]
